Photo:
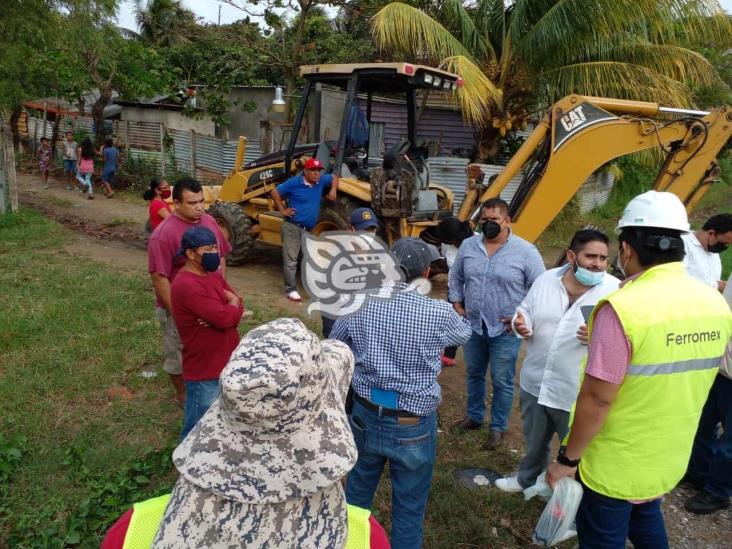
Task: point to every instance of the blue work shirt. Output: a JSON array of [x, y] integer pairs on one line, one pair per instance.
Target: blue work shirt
[[491, 287], [304, 198], [397, 344], [110, 154]]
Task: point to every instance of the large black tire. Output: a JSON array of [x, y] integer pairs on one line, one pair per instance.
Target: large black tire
[[237, 228], [335, 216]]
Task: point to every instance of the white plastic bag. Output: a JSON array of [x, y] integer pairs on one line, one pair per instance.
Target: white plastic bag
[[558, 516], [540, 488]]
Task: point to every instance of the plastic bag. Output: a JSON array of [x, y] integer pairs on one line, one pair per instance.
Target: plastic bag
[[540, 488], [558, 516]]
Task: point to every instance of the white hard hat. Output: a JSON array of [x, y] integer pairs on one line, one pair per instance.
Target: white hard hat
[[655, 209]]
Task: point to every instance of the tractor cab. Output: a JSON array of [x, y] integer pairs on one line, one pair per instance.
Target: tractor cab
[[398, 179]]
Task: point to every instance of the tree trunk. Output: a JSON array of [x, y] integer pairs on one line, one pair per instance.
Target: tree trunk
[[105, 95], [54, 131], [15, 115]]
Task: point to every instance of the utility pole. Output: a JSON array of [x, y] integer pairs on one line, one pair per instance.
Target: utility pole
[[219, 23]]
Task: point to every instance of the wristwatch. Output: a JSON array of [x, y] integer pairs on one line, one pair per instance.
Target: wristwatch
[[564, 460]]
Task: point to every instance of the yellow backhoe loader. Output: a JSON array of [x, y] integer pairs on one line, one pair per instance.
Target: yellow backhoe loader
[[577, 136]]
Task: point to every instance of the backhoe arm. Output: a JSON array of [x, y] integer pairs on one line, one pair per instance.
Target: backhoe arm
[[580, 134]]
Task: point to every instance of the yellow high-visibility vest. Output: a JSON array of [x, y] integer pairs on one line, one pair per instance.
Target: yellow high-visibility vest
[[678, 329], [145, 522]]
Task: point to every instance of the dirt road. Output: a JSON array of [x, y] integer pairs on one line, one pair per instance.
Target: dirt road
[[111, 231]]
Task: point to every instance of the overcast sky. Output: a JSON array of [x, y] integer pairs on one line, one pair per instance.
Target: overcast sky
[[209, 11]]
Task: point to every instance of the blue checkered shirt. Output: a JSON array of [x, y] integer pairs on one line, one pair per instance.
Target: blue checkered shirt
[[397, 344], [491, 287]]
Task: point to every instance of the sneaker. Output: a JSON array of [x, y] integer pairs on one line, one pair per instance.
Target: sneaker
[[90, 197], [447, 361], [509, 484], [466, 424], [294, 296], [69, 188], [494, 440], [705, 503]]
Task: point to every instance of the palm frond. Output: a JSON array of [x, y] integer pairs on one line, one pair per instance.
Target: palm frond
[[478, 95], [465, 30], [675, 62], [575, 28], [612, 79], [403, 29]]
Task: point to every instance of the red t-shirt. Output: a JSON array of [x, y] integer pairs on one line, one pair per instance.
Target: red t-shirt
[[164, 244], [155, 206], [206, 349]]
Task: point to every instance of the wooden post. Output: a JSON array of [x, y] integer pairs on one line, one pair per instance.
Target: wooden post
[[45, 118], [11, 180], [193, 153], [162, 150]]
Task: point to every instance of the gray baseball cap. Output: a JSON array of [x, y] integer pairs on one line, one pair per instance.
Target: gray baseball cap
[[414, 255]]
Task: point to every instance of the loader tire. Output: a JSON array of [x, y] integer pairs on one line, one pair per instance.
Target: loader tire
[[237, 228], [335, 216]]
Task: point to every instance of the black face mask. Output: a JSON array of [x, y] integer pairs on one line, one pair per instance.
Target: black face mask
[[718, 248], [491, 229]]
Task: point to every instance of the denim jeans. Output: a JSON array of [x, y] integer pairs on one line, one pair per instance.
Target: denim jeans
[[410, 451], [85, 180], [711, 456], [501, 353], [605, 523], [199, 397]]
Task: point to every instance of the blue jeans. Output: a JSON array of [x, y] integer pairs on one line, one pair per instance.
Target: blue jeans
[[501, 353], [605, 523], [711, 456], [85, 180], [70, 166], [199, 397], [411, 452]]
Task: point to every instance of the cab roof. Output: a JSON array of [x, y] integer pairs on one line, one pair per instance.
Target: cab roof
[[382, 77]]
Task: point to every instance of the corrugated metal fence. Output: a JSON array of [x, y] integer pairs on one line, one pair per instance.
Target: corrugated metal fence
[[207, 158], [453, 173]]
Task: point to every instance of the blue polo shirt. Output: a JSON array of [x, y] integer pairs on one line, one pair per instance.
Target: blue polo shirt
[[304, 198]]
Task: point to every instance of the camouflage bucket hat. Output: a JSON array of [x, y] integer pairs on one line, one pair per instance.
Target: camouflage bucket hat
[[279, 429]]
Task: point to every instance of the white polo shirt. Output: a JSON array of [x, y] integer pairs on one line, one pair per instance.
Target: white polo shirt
[[701, 264], [551, 368]]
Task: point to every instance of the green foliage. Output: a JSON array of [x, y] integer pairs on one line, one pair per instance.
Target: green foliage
[[516, 55]]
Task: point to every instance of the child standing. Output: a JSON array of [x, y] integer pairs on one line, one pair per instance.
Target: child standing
[[86, 168], [70, 158], [44, 160], [110, 156]]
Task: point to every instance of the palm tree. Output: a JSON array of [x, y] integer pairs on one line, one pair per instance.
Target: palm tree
[[162, 22], [521, 56]]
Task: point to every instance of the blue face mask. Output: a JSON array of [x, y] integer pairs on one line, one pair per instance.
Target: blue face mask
[[210, 261], [587, 277]]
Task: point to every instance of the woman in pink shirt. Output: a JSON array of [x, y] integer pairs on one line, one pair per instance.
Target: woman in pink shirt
[[86, 168]]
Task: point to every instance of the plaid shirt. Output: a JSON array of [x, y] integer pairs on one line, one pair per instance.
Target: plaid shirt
[[397, 344]]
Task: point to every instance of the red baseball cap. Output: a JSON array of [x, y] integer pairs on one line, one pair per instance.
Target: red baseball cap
[[313, 164]]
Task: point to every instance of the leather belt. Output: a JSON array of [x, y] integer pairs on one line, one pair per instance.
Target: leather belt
[[384, 411]]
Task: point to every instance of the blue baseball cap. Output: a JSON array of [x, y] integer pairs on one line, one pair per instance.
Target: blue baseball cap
[[195, 237], [363, 218]]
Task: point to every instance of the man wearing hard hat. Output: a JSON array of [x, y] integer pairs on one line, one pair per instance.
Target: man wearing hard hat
[[655, 348]]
